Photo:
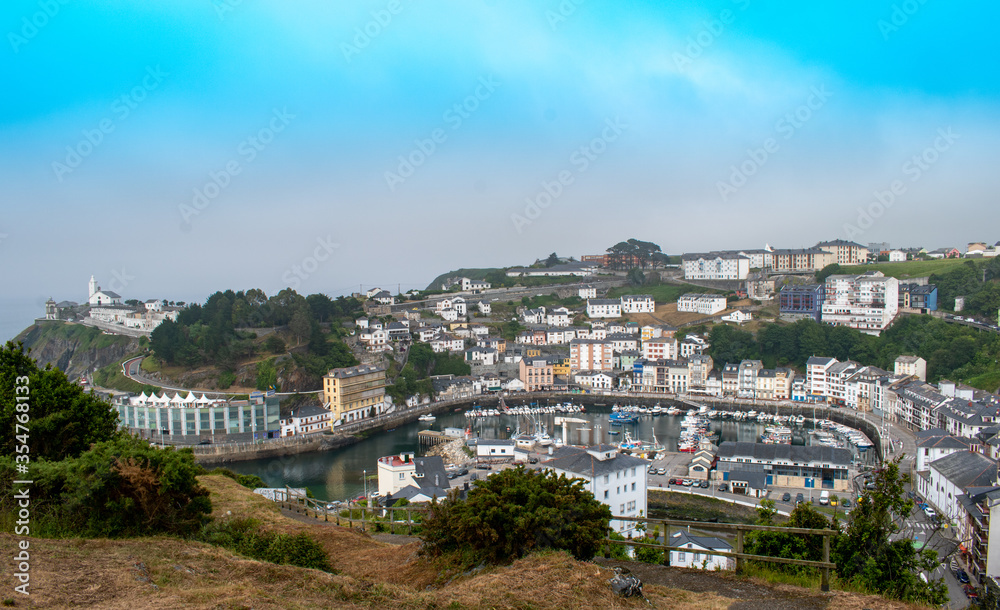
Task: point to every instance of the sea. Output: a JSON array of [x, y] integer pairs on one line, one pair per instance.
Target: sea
[[18, 314]]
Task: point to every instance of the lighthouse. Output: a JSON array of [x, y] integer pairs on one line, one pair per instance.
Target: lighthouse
[[93, 287]]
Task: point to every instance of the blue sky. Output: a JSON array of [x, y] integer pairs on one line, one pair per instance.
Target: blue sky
[[155, 99]]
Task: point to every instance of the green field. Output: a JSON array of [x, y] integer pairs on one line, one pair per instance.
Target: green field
[[908, 269]]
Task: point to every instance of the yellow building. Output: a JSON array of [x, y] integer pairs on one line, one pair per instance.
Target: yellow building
[[354, 393], [561, 367]]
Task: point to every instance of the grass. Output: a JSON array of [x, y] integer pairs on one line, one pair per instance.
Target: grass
[[988, 381], [111, 377], [694, 507], [909, 269]]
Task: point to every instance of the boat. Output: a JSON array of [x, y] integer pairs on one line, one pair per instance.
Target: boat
[[426, 417], [621, 417]]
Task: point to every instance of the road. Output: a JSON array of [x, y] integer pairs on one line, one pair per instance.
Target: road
[[132, 369]]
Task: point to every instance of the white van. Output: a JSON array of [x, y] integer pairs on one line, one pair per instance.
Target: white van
[[824, 497]]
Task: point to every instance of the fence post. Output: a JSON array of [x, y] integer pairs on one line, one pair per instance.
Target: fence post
[[825, 572], [392, 520], [739, 549], [666, 542], [364, 509], [409, 522]]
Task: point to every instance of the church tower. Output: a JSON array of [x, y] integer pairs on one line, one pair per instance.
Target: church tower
[[93, 287]]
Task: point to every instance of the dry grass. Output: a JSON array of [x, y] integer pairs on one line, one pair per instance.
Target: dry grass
[[171, 573]]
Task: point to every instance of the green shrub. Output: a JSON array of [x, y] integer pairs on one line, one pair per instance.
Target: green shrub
[[246, 537], [226, 379], [250, 481]]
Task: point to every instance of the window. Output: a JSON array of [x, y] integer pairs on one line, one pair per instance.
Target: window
[[633, 486], [695, 557], [402, 476], [618, 490], [605, 494], [623, 509], [680, 556], [607, 478]]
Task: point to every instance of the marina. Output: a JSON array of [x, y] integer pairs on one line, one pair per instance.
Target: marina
[[340, 474]]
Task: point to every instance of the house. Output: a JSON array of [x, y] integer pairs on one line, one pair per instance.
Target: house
[[747, 482], [816, 370], [637, 303], [739, 316], [383, 297], [949, 477], [398, 331], [657, 331], [587, 291], [443, 342], [692, 345], [616, 480], [372, 292], [374, 339], [557, 317], [305, 420], [621, 342], [533, 316], [897, 256], [154, 305], [935, 444], [354, 393], [494, 449], [397, 472], [449, 315], [536, 373], [594, 379], [944, 253], [918, 296], [911, 365], [485, 356], [695, 553], [361, 322], [604, 308], [474, 285], [660, 349], [484, 307], [668, 376], [707, 304], [748, 370]]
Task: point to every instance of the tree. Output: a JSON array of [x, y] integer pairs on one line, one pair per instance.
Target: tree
[[869, 557], [274, 344], [552, 260], [515, 512], [780, 544], [827, 271], [63, 419], [301, 324], [635, 277]]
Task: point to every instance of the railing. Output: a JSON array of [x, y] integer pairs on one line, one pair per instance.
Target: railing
[[367, 516], [824, 566]]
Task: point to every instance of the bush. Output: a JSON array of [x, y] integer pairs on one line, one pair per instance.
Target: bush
[[274, 344], [515, 512], [246, 537], [250, 481], [226, 379]]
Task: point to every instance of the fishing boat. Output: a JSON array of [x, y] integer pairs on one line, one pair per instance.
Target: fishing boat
[[618, 418], [427, 417]]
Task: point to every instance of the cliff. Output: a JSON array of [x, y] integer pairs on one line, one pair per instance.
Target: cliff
[[75, 349]]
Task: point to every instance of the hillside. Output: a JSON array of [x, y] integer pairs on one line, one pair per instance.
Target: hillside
[[909, 269], [165, 572], [472, 274], [74, 348]]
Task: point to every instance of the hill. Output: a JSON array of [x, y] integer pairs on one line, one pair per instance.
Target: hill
[[909, 269], [165, 572], [472, 274], [76, 349]]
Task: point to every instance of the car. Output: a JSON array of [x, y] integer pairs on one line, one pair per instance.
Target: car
[[703, 484], [532, 460], [661, 471], [918, 500], [962, 576], [723, 487], [845, 503], [921, 505], [833, 500], [205, 442], [452, 475], [688, 482], [970, 592], [799, 498], [930, 512], [484, 467], [786, 497]]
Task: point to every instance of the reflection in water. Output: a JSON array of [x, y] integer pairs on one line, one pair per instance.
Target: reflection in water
[[338, 474]]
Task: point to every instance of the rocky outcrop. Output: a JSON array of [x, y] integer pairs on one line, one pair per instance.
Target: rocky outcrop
[[75, 349]]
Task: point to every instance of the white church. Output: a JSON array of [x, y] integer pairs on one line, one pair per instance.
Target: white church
[[102, 297], [107, 307]]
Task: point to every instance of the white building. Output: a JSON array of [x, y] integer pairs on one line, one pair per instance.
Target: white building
[[638, 303], [716, 266], [492, 449], [949, 477], [739, 316], [604, 308], [707, 304], [484, 307], [470, 284], [305, 420], [594, 379], [936, 443], [816, 369], [616, 480], [694, 554], [664, 348], [587, 292], [897, 256], [911, 365], [558, 317], [868, 302], [446, 343]]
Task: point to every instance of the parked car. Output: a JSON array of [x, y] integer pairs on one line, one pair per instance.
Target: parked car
[[688, 482], [723, 487], [484, 467], [532, 460], [833, 500], [661, 471], [845, 503], [786, 497], [703, 484], [921, 505], [970, 592], [962, 576], [930, 512], [799, 498]]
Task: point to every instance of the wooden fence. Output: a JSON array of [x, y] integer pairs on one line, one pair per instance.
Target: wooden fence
[[824, 566]]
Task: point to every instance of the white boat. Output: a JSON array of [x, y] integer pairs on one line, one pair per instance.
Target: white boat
[[426, 417]]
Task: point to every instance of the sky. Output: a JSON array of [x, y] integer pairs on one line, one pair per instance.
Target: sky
[[173, 149]]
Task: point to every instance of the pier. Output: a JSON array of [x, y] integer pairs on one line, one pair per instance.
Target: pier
[[430, 438]]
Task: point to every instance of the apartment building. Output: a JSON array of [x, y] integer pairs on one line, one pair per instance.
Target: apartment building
[[354, 393], [604, 308], [707, 304], [638, 303], [537, 373], [911, 365], [868, 302], [590, 355], [716, 266], [802, 259], [801, 302], [663, 348], [845, 252], [748, 370]]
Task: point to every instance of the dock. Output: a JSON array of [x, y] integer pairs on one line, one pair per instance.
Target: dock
[[429, 438]]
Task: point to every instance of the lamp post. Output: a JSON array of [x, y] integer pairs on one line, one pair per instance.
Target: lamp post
[[364, 478]]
